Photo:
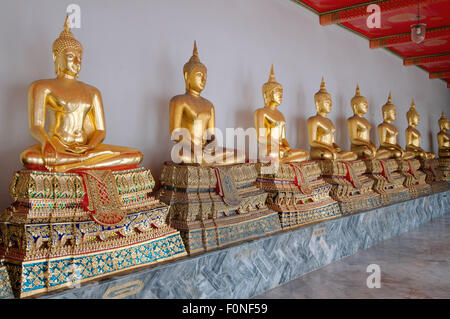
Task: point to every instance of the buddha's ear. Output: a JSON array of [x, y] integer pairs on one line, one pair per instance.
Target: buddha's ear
[[54, 56], [185, 76]]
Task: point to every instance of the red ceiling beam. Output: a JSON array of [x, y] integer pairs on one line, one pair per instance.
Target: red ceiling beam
[[439, 75], [357, 11], [405, 38], [430, 59]]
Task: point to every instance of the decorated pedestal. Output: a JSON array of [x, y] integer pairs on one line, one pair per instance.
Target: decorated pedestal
[[351, 187], [434, 176], [388, 181], [67, 228], [444, 167], [298, 193], [215, 206], [414, 178]]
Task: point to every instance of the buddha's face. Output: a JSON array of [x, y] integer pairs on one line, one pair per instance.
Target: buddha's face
[[274, 97], [196, 80], [413, 119], [444, 125], [361, 107], [68, 62], [323, 103], [389, 114]]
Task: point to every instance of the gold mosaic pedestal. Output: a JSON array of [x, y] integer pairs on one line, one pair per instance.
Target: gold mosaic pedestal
[[444, 167], [388, 181], [297, 192], [209, 216], [434, 176], [351, 187], [414, 178], [50, 240]]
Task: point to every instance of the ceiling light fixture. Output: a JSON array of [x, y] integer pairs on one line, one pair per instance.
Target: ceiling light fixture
[[418, 30]]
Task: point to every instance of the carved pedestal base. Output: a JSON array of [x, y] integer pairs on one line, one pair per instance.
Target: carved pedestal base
[[351, 188], [434, 176], [414, 178], [444, 167], [215, 206], [298, 193], [388, 182], [50, 237]]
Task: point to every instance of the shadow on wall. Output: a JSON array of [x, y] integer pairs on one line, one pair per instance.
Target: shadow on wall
[[430, 134], [14, 126], [302, 133], [156, 111], [301, 127]]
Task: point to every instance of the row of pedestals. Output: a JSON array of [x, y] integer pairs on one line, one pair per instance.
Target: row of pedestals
[[64, 229]]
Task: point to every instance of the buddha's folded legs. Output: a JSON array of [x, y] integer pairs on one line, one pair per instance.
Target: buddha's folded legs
[[362, 151], [383, 154], [320, 154], [346, 156], [102, 156], [294, 156], [393, 153]]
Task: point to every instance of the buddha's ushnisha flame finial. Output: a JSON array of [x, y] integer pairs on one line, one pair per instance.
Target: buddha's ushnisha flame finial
[[271, 82], [323, 89], [389, 101], [272, 75], [195, 51], [194, 61], [322, 84], [413, 104], [66, 40], [357, 93]]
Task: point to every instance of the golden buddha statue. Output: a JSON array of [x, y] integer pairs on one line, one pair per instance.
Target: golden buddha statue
[[76, 123], [195, 114], [387, 133], [359, 130], [321, 131], [413, 135], [443, 137], [272, 120]]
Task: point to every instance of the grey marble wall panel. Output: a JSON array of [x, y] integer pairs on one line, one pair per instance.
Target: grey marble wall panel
[[251, 268]]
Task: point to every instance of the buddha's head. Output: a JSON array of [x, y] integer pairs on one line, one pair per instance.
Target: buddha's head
[[359, 103], [323, 100], [389, 114], [67, 53], [195, 73], [272, 91], [412, 115], [444, 124]]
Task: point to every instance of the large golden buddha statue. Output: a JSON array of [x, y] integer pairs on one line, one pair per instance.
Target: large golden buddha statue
[[195, 114], [359, 130], [66, 117], [272, 120], [443, 137], [388, 133], [413, 135], [321, 131]]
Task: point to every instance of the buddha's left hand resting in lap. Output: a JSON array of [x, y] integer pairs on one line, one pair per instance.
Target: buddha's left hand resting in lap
[[66, 117]]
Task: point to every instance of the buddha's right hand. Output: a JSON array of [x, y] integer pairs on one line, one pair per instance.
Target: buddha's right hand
[[49, 154]]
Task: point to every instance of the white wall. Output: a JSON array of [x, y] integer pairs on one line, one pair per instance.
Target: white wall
[[135, 51]]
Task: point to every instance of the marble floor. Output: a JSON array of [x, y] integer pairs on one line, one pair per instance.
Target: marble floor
[[415, 264]]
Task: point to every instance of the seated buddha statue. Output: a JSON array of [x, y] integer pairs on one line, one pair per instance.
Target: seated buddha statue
[[443, 137], [413, 135], [271, 126], [194, 115], [66, 117], [359, 130], [321, 131], [388, 133]]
